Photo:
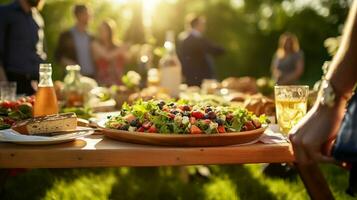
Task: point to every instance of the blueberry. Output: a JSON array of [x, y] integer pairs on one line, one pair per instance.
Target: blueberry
[[171, 104], [161, 104], [212, 115], [206, 116], [187, 114], [153, 112], [219, 121], [208, 109], [174, 112], [125, 127], [134, 122]]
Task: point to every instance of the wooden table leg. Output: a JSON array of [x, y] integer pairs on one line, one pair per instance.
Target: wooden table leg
[[314, 181]]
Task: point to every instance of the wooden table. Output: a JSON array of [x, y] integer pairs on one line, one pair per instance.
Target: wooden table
[[99, 151]]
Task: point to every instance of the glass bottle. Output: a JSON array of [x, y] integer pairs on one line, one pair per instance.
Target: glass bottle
[[45, 99], [170, 67], [74, 96]]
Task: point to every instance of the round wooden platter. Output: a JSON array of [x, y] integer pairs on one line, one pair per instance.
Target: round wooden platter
[[184, 140]]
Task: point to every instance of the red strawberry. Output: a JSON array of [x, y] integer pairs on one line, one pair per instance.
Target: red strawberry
[[8, 104], [152, 129], [192, 120], [146, 125], [197, 114], [249, 125], [171, 116], [141, 129], [221, 129], [195, 130], [9, 121]]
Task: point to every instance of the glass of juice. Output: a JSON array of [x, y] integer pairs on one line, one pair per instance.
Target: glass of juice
[[291, 105]]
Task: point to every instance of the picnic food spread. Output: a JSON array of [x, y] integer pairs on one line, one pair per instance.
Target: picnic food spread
[[47, 124], [157, 116], [13, 111]]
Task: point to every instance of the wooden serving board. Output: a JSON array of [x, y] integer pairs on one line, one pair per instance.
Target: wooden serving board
[[184, 140]]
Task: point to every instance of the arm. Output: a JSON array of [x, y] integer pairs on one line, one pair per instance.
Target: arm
[[100, 52], [62, 47], [212, 48], [321, 124], [274, 68], [2, 45]]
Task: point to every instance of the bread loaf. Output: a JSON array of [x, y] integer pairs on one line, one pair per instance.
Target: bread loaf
[[47, 124]]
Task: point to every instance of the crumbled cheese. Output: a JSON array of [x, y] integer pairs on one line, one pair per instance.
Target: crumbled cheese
[[185, 120], [213, 125], [132, 128], [178, 118]]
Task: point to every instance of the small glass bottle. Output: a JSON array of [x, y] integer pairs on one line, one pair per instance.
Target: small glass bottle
[[170, 67], [74, 96], [45, 100]]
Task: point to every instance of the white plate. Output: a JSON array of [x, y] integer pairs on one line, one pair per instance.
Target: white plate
[[10, 135]]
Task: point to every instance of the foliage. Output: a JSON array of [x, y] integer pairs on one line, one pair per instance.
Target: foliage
[[248, 29], [226, 182]]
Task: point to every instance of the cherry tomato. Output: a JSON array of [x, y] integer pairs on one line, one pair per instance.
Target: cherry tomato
[[249, 125], [195, 130], [141, 129], [146, 125], [192, 120], [257, 123], [229, 117], [221, 129], [152, 129]]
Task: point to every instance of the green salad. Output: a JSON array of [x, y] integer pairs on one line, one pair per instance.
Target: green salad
[[179, 117]]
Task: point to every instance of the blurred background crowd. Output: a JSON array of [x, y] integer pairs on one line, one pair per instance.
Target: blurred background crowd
[[109, 38]]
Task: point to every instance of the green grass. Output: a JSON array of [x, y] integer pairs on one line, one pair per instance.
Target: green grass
[[231, 182]]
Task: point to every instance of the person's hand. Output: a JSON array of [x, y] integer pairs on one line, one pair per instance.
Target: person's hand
[[315, 131]]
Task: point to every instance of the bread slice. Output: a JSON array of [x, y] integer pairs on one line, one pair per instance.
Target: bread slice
[[47, 124]]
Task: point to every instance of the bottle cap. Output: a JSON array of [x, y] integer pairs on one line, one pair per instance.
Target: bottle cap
[[73, 67], [46, 67]]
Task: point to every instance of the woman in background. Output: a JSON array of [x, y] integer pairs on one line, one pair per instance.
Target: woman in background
[[288, 62], [108, 56]]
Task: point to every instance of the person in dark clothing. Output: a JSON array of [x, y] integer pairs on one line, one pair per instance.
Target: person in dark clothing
[[21, 43], [195, 52], [329, 132], [74, 45]]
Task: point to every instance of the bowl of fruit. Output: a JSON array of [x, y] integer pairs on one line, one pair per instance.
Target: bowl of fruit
[[171, 123]]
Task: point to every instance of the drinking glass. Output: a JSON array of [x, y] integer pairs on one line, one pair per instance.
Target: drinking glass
[[291, 105], [8, 91], [209, 86]]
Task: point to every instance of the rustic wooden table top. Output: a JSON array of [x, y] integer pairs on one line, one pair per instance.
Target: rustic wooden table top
[[100, 151]]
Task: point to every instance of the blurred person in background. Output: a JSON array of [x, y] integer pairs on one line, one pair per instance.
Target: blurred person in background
[[109, 57], [21, 43], [195, 52], [288, 62], [74, 45], [287, 68]]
